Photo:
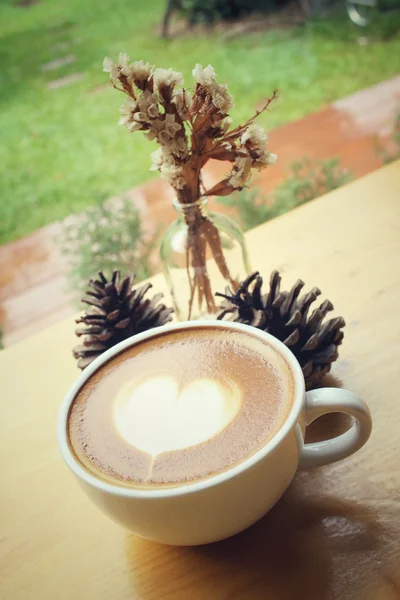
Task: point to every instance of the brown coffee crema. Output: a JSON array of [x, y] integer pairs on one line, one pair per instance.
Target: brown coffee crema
[[180, 407]]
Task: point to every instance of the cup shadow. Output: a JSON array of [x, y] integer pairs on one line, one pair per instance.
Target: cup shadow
[[290, 553]]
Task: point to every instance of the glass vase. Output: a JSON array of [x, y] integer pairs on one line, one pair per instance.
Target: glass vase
[[202, 252]]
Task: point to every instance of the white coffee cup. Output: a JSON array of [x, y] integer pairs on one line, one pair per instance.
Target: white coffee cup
[[224, 504]]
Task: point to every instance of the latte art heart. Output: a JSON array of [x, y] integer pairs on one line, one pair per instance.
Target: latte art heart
[[156, 415]]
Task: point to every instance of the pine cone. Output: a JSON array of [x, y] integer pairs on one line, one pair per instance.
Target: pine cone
[[116, 312], [285, 316]]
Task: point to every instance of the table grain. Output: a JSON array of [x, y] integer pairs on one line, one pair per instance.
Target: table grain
[[335, 534]]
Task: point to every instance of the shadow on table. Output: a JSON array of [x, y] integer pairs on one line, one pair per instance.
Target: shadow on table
[[291, 553]]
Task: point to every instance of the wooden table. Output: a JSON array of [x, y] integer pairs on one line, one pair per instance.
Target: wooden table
[[336, 532]]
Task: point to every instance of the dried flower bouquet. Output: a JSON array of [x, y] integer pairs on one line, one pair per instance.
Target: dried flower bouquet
[[191, 129]]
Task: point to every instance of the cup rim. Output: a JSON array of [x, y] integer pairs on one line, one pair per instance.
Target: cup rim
[[189, 488]]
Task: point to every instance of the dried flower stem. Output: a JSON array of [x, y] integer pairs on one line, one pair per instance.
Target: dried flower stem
[[202, 233]]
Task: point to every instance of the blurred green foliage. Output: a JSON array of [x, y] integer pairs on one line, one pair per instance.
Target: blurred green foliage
[[61, 149], [392, 153], [307, 180], [105, 237]]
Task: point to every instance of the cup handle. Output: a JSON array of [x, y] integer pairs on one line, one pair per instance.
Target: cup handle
[[328, 400]]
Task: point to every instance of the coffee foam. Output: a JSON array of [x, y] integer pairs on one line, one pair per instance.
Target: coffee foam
[[180, 407]]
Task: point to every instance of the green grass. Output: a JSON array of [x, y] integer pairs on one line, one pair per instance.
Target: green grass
[[62, 150]]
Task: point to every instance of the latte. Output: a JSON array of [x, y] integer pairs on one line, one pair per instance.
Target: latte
[[180, 407]]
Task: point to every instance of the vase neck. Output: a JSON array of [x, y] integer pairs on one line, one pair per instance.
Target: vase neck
[[194, 208]]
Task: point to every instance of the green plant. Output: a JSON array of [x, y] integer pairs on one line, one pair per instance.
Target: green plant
[[389, 155], [105, 237], [1, 339], [307, 181]]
